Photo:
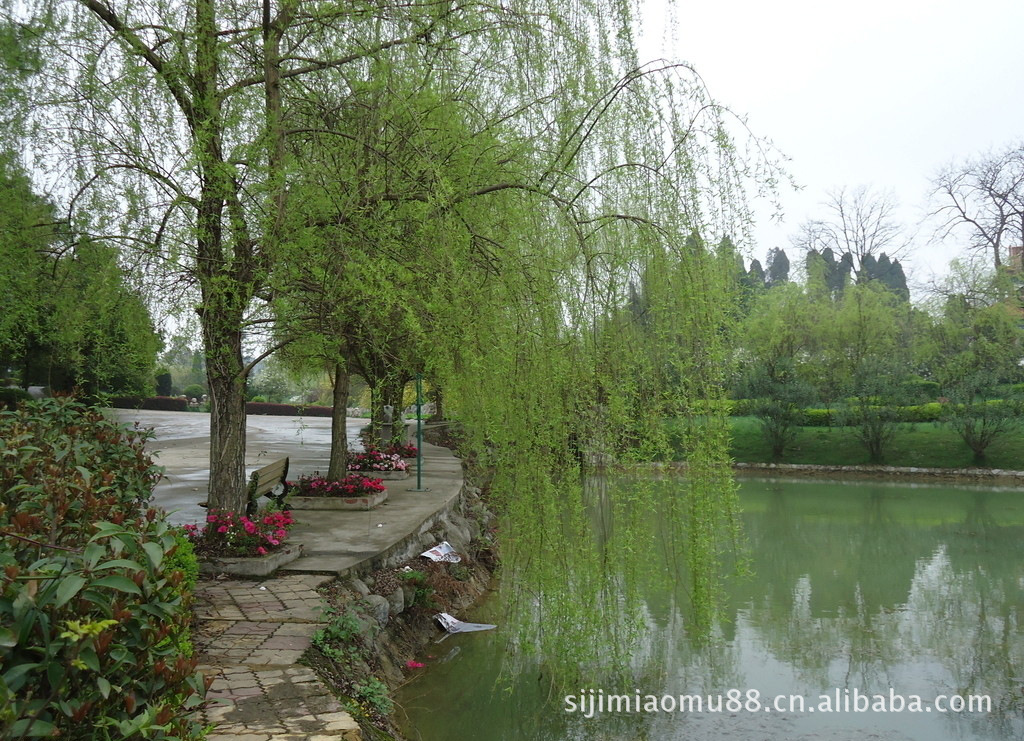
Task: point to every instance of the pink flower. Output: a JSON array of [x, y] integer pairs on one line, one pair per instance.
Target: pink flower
[[262, 551], [222, 529], [249, 527], [414, 664]]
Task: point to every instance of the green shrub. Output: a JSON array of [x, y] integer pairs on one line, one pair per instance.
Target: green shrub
[[930, 412], [918, 388], [374, 693], [164, 382], [11, 397], [741, 407], [194, 391], [818, 417], [94, 607]]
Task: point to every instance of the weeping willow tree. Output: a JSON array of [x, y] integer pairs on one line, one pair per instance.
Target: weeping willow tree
[[509, 171]]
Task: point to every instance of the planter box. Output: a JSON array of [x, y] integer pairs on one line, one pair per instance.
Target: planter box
[[252, 565], [369, 501], [386, 475]]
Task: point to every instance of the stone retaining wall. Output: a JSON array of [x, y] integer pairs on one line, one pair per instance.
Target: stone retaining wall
[[962, 475]]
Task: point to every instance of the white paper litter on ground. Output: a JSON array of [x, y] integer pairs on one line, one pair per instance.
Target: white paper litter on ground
[[442, 552], [454, 625]]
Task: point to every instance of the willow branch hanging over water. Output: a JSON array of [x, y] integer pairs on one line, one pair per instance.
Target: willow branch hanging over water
[[530, 209]]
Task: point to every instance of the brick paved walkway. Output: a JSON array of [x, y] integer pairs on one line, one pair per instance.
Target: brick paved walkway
[[251, 636]]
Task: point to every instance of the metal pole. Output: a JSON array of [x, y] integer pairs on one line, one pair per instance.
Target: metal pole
[[419, 434]]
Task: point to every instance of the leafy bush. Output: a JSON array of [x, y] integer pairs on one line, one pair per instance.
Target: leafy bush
[[164, 382], [93, 606], [741, 407], [930, 412], [194, 391], [819, 417], [11, 397], [240, 535], [917, 388]]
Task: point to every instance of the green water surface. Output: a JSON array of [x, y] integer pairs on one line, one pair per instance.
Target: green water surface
[[857, 589]]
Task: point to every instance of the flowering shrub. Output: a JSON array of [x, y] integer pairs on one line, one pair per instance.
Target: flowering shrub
[[238, 535], [405, 451], [95, 601], [352, 485], [375, 460]]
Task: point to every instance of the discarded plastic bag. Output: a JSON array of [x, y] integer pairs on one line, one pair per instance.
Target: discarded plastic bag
[[454, 625], [442, 552]]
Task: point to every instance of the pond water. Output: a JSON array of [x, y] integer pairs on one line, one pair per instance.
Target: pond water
[[862, 595]]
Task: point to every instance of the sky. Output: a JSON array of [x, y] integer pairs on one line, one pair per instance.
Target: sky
[[879, 93]]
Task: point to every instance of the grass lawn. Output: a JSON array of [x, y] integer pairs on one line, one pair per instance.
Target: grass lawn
[[927, 444]]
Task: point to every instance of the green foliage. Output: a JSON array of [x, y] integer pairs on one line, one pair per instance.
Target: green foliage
[[423, 592], [164, 382], [339, 638], [11, 397], [818, 417], [374, 692], [94, 610], [930, 412], [931, 445], [194, 391], [777, 401], [471, 196], [69, 317], [922, 389], [183, 558], [980, 423]]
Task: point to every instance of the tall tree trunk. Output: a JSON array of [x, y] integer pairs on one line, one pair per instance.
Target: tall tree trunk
[[437, 397], [226, 377], [338, 467], [386, 391], [393, 394]]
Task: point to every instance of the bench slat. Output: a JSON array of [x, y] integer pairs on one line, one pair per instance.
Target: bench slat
[[267, 478]]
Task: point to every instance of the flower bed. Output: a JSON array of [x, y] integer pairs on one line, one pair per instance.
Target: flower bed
[[405, 451], [353, 485], [238, 535], [376, 462], [352, 492]]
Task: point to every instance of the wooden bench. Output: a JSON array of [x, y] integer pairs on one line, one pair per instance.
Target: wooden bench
[[262, 482]]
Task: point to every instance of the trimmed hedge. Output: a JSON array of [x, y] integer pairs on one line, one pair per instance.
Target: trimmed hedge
[[94, 596], [286, 410], [155, 403], [931, 412]]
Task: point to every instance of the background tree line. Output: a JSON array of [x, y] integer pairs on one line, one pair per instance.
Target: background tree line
[[847, 347]]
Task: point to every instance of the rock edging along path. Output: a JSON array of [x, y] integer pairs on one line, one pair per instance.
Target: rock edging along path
[[251, 634]]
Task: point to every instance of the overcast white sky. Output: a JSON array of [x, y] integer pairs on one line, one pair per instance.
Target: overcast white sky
[[875, 92]]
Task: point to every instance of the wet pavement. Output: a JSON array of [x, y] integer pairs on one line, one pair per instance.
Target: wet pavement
[[181, 444], [252, 633]]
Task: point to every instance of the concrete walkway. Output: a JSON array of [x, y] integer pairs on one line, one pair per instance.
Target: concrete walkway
[[251, 633]]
